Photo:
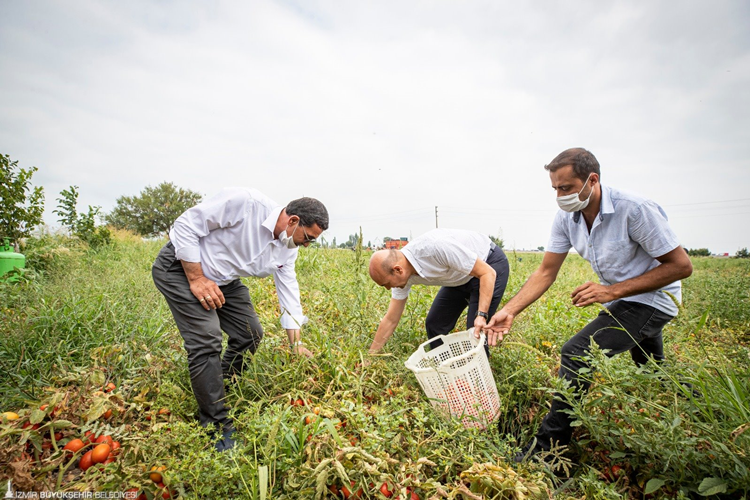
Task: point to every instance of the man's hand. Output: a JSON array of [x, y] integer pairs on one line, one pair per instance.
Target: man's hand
[[499, 326], [301, 350], [207, 292], [590, 293], [479, 324]]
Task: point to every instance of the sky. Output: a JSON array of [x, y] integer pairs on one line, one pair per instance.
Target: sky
[[398, 116]]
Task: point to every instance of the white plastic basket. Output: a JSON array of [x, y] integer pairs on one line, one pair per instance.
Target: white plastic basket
[[457, 379]]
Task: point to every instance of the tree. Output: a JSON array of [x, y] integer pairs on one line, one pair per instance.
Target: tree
[[21, 207], [497, 241], [540, 248], [742, 254], [698, 252], [82, 226], [153, 212]]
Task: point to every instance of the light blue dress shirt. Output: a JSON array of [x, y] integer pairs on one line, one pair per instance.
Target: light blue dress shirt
[[625, 239]]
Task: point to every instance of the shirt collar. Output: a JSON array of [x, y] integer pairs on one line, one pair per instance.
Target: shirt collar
[[273, 217], [412, 261], [605, 206]]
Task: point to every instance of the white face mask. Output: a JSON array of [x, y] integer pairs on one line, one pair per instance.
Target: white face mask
[[288, 240], [571, 203]]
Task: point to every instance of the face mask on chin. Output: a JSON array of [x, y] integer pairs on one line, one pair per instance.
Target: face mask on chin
[[571, 203], [288, 240]]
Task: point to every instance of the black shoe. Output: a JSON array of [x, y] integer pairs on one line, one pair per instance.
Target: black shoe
[[528, 451], [226, 442]]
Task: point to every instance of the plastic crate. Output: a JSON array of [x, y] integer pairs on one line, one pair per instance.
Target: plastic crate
[[457, 379]]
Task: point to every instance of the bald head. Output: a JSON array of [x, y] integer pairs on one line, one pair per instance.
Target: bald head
[[389, 268]]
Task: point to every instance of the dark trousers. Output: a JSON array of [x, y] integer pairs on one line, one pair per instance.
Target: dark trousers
[[201, 331], [642, 337], [451, 301]]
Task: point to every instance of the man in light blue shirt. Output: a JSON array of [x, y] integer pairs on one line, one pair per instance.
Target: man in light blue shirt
[[638, 260]]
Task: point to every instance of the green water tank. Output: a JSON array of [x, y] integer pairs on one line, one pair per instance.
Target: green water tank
[[9, 259]]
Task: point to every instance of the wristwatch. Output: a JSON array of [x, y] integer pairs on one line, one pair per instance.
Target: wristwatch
[[484, 315]]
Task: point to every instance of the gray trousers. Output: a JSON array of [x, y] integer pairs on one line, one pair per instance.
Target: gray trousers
[[201, 332]]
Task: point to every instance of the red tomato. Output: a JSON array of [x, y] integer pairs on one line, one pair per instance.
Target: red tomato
[[46, 445], [104, 440], [164, 411], [58, 436], [100, 453], [110, 387], [74, 445], [115, 446], [385, 491], [107, 414], [299, 402], [85, 461]]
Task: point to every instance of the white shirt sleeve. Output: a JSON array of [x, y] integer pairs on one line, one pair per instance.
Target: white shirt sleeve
[[225, 209], [559, 240], [287, 288], [401, 293]]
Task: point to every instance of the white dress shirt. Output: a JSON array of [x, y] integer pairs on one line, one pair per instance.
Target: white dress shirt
[[625, 239], [443, 257], [231, 235]]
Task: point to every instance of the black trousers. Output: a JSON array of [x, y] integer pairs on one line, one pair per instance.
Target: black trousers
[[451, 301], [642, 337], [201, 332]]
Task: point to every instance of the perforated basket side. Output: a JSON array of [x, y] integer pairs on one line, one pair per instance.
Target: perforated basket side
[[457, 379]]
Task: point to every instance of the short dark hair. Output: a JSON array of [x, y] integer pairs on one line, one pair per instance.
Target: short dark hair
[[310, 212], [584, 163]]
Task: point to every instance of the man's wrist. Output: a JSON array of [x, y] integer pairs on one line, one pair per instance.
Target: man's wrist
[[482, 314]]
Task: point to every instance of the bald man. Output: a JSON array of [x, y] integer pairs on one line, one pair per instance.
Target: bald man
[[470, 269]]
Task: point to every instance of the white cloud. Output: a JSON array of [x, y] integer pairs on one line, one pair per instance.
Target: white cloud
[[381, 108]]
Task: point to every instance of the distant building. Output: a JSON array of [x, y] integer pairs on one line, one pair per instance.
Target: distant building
[[395, 243]]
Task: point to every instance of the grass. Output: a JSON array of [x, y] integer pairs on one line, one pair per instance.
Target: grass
[[83, 318]]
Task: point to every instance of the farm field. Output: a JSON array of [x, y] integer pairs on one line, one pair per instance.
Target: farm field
[[328, 427]]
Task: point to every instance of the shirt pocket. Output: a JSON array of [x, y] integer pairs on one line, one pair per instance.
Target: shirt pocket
[[614, 259]]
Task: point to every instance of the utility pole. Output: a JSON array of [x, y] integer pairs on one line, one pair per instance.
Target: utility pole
[[436, 224]]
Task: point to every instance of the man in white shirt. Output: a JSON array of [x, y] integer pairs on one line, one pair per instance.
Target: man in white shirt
[[470, 269], [239, 232], [638, 260]]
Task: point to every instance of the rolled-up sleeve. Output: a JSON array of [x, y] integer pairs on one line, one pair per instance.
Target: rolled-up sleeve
[[225, 209], [287, 288]]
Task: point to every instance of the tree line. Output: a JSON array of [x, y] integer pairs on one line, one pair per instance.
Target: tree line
[[150, 214]]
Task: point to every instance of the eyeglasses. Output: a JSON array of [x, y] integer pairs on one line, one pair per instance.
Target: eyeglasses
[[307, 238]]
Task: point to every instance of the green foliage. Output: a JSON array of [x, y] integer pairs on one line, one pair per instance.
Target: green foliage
[[81, 225], [698, 252], [497, 241], [98, 313], [21, 206], [153, 212], [742, 254]]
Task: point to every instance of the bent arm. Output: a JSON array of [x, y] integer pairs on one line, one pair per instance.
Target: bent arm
[[388, 324], [538, 283], [486, 276], [674, 265]]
